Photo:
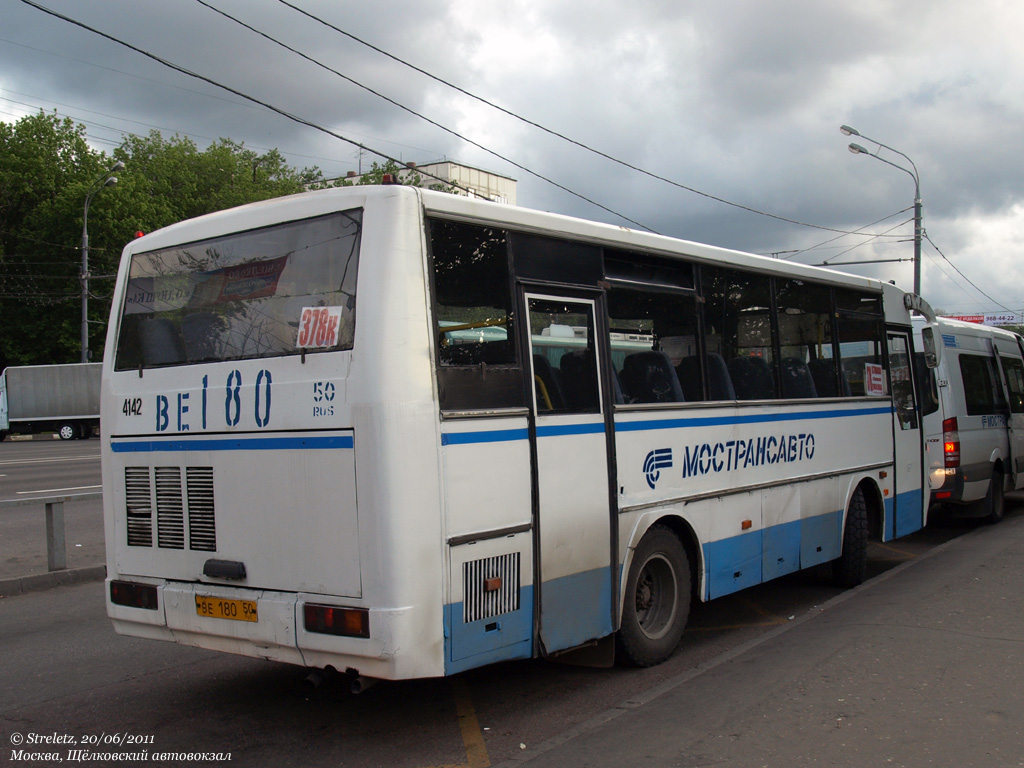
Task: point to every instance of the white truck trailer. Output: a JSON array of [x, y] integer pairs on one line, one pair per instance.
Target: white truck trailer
[[50, 398]]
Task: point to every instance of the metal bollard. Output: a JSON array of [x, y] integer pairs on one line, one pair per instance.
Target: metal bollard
[[56, 549]]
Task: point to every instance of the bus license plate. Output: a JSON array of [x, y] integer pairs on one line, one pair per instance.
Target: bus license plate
[[220, 608]]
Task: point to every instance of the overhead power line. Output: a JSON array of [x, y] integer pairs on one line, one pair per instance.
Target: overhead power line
[[543, 128], [296, 118], [972, 284], [413, 112]]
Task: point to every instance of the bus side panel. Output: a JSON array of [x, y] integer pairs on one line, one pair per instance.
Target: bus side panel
[[764, 489], [488, 611], [494, 619], [782, 532]]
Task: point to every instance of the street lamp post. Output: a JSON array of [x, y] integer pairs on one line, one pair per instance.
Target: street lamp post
[[857, 149], [106, 180]]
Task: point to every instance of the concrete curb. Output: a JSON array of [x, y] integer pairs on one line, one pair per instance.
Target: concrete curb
[[41, 581]]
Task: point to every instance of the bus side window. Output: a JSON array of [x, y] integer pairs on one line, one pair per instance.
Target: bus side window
[[476, 353], [804, 312], [738, 325], [652, 332], [979, 385], [859, 324]]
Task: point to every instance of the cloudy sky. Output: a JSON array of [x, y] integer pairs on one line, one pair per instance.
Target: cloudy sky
[[737, 103]]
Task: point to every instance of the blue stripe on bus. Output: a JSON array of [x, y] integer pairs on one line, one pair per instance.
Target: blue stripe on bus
[[571, 429], [491, 436], [751, 558], [909, 515], [486, 641], [234, 444], [505, 435], [757, 418]]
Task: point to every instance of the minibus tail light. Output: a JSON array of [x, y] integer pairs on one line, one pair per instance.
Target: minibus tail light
[[332, 620], [951, 443]]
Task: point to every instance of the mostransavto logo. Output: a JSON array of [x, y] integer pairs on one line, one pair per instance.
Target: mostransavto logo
[[657, 460]]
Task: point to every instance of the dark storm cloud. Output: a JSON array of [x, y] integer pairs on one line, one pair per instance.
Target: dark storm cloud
[[740, 99]]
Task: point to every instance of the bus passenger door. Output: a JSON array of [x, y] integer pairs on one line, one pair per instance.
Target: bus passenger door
[[1011, 379], [572, 518], [908, 504]]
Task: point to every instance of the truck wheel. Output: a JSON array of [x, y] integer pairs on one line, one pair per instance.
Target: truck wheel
[[657, 599], [994, 501], [851, 567], [68, 431], [3, 434]]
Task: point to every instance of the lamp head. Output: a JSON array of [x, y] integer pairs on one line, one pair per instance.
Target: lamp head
[[848, 131], [857, 149], [118, 166]]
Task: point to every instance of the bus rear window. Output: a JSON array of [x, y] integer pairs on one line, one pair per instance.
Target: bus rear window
[[281, 290]]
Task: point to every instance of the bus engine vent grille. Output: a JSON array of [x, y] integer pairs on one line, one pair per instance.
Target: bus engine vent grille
[[160, 488], [170, 510], [491, 587], [202, 527], [139, 503]]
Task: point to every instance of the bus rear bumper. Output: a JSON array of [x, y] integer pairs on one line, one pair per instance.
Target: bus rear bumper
[[278, 632]]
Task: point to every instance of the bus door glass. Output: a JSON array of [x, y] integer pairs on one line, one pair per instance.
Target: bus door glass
[[573, 521], [908, 514], [1011, 375]]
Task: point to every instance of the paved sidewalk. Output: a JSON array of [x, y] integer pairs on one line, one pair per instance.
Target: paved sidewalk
[[922, 666]]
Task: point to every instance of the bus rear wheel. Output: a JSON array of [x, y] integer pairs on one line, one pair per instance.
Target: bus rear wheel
[[851, 568], [657, 600]]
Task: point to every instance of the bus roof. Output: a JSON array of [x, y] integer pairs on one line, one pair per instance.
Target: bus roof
[[309, 204]]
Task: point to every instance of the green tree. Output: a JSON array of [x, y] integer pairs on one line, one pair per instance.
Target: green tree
[[46, 171]]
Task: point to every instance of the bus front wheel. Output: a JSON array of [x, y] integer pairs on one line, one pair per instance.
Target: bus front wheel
[[657, 599]]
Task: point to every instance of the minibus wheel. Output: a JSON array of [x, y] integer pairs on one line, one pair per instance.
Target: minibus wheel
[[657, 599], [995, 501], [850, 568]]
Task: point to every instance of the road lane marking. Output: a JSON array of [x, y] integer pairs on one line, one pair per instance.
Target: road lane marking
[[50, 460], [894, 550], [472, 736]]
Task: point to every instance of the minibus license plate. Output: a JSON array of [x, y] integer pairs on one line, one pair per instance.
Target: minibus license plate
[[220, 608]]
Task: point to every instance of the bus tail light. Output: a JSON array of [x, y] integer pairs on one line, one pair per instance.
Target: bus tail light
[[332, 620], [951, 443], [133, 595]]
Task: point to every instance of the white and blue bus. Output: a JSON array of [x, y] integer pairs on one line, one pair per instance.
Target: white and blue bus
[[404, 434]]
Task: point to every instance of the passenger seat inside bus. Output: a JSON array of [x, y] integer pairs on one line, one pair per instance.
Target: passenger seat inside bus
[[650, 378], [719, 384], [751, 378], [823, 371], [797, 381]]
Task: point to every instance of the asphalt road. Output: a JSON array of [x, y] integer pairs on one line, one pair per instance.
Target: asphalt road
[[755, 677]]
